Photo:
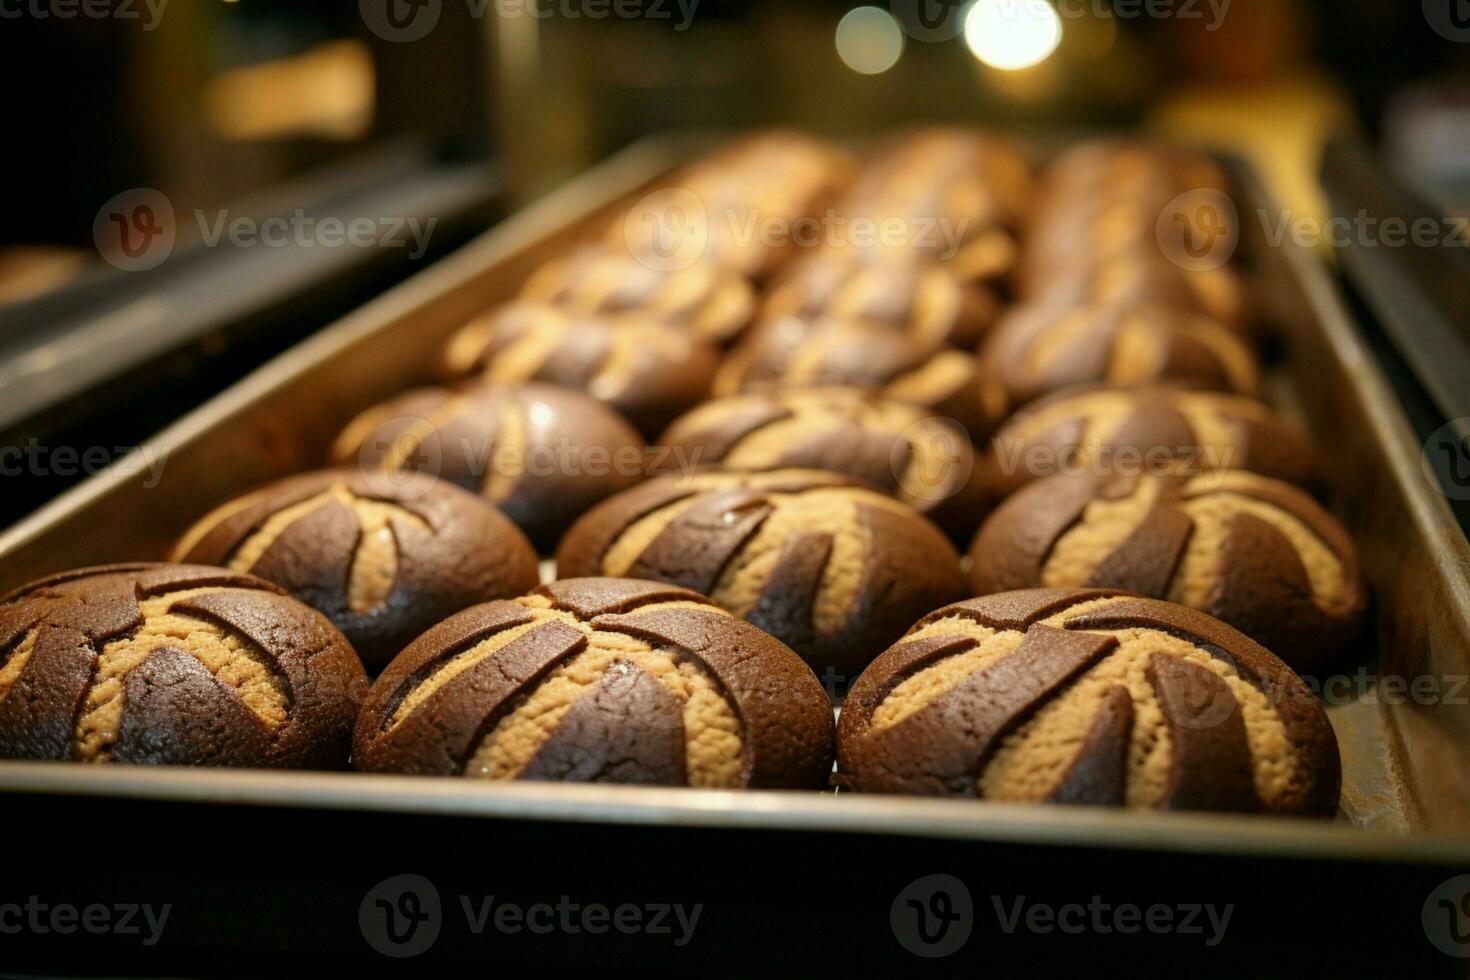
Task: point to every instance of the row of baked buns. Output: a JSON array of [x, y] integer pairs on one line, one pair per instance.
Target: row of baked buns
[[753, 470]]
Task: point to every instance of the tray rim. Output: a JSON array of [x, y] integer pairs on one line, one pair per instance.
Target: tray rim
[[622, 173]]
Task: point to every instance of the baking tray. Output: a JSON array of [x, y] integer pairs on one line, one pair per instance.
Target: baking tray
[[1406, 795]]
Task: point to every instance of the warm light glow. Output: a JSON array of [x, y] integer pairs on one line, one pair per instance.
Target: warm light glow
[[869, 40], [1012, 34]]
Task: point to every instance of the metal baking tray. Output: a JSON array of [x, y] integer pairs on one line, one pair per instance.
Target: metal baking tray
[[1407, 764]]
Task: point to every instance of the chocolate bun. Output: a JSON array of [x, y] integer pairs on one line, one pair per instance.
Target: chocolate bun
[[924, 300], [541, 454], [1088, 697], [903, 450], [1038, 350], [713, 304], [727, 205], [1144, 277], [961, 192], [1258, 554], [647, 371], [831, 353], [600, 681], [383, 560], [833, 569], [1115, 432], [175, 665]]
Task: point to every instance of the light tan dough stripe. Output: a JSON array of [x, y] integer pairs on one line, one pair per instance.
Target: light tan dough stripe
[[233, 660]]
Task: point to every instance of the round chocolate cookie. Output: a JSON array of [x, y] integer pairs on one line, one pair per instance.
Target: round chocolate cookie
[[600, 681], [1115, 432], [1093, 698], [1258, 554], [923, 300], [175, 665], [901, 449], [1037, 350], [382, 559], [711, 303], [647, 371], [542, 454], [831, 353], [835, 570]]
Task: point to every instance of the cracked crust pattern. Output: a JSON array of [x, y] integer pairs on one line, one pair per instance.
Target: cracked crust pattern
[[542, 455], [1259, 554], [646, 370], [833, 569], [1038, 350], [922, 300], [711, 303], [600, 680], [383, 563], [899, 448], [830, 353], [1088, 697], [172, 665], [768, 180], [1117, 432]]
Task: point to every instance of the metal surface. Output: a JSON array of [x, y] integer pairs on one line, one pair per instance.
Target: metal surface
[[1406, 796]]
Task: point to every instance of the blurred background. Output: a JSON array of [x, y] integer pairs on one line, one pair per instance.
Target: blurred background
[[456, 111]]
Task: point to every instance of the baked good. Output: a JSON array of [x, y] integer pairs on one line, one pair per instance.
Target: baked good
[[833, 569], [1258, 554], [382, 560], [647, 371], [903, 450], [738, 208], [960, 194], [173, 665], [541, 454], [921, 299], [712, 303], [832, 353], [601, 681], [1119, 169], [1088, 697], [1144, 276], [1115, 432], [1037, 350]]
